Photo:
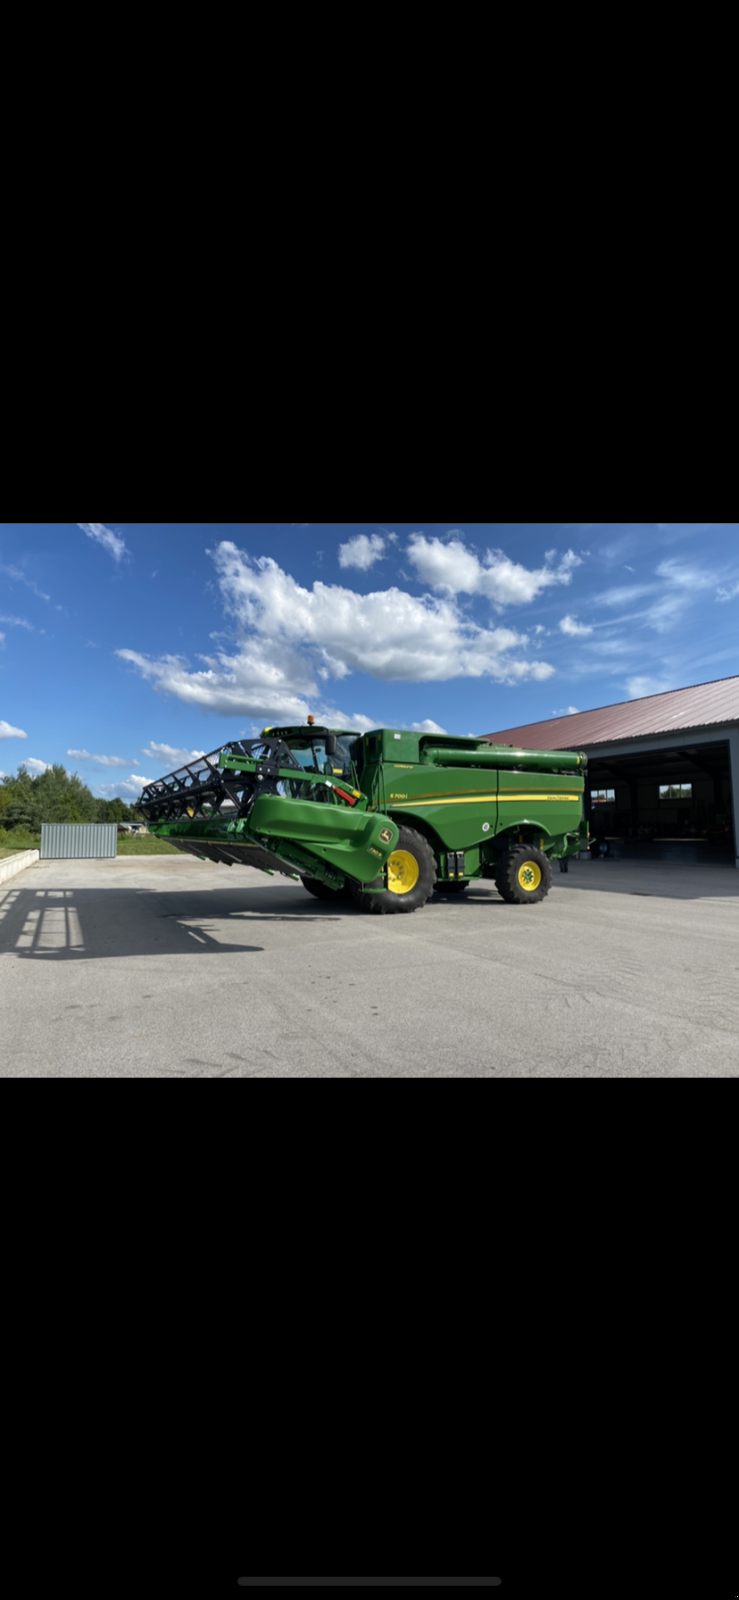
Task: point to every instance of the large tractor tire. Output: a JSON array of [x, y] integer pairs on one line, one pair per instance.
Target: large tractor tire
[[524, 876], [410, 873], [323, 891]]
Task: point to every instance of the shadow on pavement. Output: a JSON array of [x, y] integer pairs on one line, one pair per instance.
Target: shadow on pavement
[[83, 924], [86, 924]]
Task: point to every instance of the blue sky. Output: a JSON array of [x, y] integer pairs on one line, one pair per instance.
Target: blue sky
[[125, 647]]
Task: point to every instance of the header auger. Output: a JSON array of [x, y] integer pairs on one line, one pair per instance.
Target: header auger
[[382, 817]]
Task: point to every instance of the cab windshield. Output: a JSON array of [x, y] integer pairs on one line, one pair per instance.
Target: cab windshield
[[313, 758]]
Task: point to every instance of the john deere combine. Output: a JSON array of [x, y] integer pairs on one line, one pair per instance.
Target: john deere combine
[[383, 817]]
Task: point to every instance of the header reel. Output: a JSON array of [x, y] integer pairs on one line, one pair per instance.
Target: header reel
[[204, 790]]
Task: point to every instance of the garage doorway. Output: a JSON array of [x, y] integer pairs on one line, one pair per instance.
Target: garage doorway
[[663, 804]]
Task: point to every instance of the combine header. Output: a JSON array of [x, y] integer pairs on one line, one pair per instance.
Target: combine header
[[382, 817]]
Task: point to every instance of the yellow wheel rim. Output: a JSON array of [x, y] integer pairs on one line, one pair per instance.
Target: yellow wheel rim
[[529, 875], [402, 872]]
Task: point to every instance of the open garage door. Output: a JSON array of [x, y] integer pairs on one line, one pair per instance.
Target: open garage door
[[664, 804]]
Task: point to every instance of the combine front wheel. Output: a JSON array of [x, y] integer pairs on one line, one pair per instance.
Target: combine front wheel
[[408, 879], [524, 876]]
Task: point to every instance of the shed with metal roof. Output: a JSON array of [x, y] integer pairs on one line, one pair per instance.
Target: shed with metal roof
[[663, 770]]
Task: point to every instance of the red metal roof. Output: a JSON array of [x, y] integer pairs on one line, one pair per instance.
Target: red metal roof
[[697, 707]]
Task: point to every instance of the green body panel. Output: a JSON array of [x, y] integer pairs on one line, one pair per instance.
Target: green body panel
[[356, 842], [551, 802]]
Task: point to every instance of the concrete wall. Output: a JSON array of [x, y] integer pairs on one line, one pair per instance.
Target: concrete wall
[[10, 865]]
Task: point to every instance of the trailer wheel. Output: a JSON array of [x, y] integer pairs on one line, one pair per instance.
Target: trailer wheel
[[410, 872], [323, 891], [524, 876]]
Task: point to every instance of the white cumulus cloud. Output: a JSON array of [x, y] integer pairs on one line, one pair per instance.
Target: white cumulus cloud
[[572, 626], [112, 542], [362, 551], [353, 721], [7, 732], [427, 726], [566, 711], [292, 636], [128, 789], [170, 756], [100, 761], [448, 565], [36, 767]]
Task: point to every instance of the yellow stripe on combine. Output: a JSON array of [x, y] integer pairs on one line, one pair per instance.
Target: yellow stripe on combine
[[460, 800], [481, 799], [547, 797]]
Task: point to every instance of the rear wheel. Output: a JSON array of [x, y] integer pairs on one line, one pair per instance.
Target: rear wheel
[[407, 881], [323, 891], [524, 876]]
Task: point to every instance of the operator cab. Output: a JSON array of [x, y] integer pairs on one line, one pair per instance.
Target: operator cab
[[317, 750]]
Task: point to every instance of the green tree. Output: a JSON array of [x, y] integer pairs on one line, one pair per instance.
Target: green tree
[[63, 797], [54, 796], [20, 809], [111, 811], [114, 811]]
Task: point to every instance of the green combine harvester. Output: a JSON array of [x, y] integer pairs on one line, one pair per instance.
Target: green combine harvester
[[381, 818]]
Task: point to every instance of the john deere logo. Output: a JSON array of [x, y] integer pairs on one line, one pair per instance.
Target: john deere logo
[[386, 835]]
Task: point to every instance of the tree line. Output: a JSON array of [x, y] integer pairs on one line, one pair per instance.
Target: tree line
[[56, 796]]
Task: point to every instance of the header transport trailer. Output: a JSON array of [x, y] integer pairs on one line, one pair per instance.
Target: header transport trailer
[[382, 818]]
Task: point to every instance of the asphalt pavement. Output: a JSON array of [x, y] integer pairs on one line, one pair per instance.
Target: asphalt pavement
[[168, 967]]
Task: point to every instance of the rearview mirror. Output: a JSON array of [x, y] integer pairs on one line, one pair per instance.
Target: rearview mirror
[[330, 744]]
